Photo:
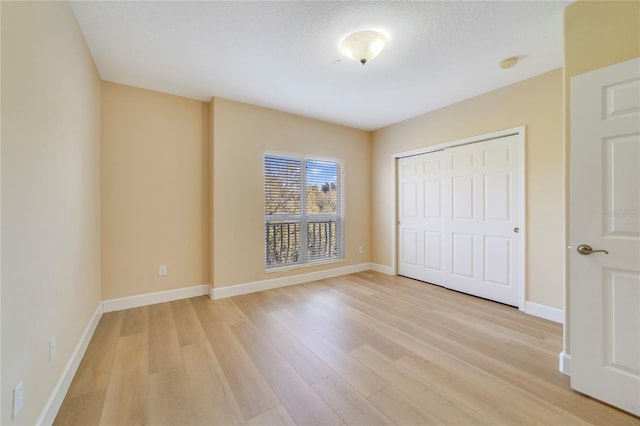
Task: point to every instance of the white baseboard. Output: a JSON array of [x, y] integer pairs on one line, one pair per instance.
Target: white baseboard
[[383, 269], [565, 363], [153, 298], [237, 290], [543, 311], [50, 410]]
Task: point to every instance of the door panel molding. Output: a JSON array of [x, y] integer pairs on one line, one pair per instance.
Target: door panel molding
[[461, 163], [604, 296]]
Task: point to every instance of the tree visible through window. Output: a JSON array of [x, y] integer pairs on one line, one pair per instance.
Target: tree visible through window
[[304, 210]]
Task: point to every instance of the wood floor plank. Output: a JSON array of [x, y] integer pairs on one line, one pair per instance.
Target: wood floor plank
[[95, 368], [135, 321], [420, 322], [277, 416], [428, 294], [340, 305], [482, 390], [126, 400], [360, 377], [273, 300], [301, 292], [295, 394], [431, 300], [229, 312], [186, 322], [446, 410], [212, 400], [353, 332], [81, 410], [306, 363], [498, 332], [447, 352], [341, 336], [347, 282], [400, 409], [352, 407], [169, 397], [251, 391], [164, 345]]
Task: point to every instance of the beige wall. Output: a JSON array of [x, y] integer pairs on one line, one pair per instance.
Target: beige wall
[[50, 197], [596, 34], [155, 191], [600, 33], [0, 214], [536, 103], [211, 211], [241, 135]]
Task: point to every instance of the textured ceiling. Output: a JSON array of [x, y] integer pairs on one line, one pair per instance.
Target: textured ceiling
[[283, 54]]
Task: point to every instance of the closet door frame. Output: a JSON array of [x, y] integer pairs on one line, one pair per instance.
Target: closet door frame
[[517, 131]]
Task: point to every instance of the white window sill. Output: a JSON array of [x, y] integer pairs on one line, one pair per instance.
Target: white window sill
[[305, 265]]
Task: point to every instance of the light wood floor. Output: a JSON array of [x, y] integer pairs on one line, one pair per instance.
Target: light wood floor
[[363, 349]]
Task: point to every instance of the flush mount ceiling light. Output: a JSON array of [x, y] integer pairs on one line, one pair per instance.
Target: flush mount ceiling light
[[363, 46]]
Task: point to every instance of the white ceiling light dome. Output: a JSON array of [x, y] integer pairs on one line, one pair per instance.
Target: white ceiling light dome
[[363, 46]]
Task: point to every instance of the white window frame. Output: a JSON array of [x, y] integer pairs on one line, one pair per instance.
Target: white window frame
[[304, 218]]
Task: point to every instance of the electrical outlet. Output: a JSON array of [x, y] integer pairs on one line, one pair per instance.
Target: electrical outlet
[[360, 250], [162, 270], [52, 348], [17, 399]]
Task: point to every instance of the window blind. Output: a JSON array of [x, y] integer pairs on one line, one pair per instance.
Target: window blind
[[304, 211]]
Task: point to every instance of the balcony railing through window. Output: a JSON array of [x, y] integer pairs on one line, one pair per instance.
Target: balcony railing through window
[[284, 241]]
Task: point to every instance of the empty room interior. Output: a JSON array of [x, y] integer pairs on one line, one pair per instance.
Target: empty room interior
[[320, 212]]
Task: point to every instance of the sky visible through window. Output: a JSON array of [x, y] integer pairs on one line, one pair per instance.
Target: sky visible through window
[[321, 172]]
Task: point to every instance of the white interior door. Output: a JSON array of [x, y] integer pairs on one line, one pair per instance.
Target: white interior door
[[482, 219], [605, 215], [420, 215], [459, 214]]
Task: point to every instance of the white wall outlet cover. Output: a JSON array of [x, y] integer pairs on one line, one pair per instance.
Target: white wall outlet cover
[[162, 270], [17, 399], [52, 348]]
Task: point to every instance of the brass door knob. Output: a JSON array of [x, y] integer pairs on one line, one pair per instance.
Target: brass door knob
[[586, 249]]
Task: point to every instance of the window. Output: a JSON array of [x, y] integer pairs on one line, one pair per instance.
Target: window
[[304, 210]]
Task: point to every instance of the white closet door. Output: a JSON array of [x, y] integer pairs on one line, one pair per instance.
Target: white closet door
[[460, 216], [482, 219], [420, 181]]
